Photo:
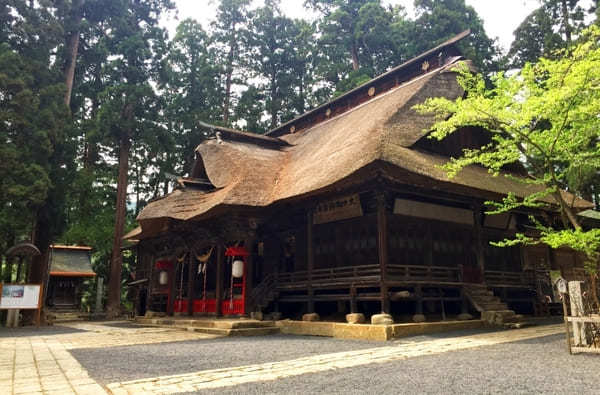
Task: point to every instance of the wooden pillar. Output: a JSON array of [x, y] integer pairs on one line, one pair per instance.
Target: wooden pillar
[[419, 297], [479, 252], [191, 278], [382, 249], [150, 282], [249, 272], [19, 270], [464, 303], [310, 259], [172, 286], [219, 285], [428, 245], [353, 306]]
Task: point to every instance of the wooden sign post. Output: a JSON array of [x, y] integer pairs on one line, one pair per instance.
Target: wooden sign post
[[22, 297]]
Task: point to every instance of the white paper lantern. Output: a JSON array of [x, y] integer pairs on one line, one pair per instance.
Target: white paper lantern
[[163, 277], [237, 270]]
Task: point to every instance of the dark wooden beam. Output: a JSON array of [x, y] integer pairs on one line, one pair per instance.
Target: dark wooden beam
[[310, 259], [382, 248], [219, 284], [479, 251], [150, 282], [191, 277], [249, 272], [428, 245]]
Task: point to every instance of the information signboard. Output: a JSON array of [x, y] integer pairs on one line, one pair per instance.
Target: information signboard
[[20, 296]]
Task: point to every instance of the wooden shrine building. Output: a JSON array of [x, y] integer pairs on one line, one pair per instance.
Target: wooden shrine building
[[69, 266], [345, 209]]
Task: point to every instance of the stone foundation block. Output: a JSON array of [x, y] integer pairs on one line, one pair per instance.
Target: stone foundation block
[[154, 314], [275, 316], [355, 318], [419, 318], [257, 315], [311, 317], [497, 318], [382, 319]]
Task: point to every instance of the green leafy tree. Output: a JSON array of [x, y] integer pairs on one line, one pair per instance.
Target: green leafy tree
[[191, 84], [546, 30], [271, 59], [355, 38], [440, 20], [547, 116], [37, 143], [231, 20]]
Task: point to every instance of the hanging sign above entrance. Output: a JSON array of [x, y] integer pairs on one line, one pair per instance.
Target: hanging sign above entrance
[[438, 212], [338, 209]]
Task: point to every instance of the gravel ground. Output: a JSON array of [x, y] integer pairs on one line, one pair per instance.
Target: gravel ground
[[537, 366], [107, 365]]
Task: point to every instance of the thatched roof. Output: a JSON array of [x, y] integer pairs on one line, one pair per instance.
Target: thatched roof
[[380, 133]]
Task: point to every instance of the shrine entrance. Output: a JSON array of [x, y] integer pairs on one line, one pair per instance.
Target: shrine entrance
[[218, 282]]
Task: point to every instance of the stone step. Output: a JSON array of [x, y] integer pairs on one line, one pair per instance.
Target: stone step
[[483, 292], [486, 298], [67, 317], [498, 317], [237, 332], [494, 307], [217, 324], [519, 324], [215, 327]]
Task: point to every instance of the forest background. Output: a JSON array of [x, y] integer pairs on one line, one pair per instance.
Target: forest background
[[100, 108]]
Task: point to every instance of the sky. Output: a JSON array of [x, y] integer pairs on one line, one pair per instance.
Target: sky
[[500, 17]]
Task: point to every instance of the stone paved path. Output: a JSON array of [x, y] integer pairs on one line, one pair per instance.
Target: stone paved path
[[219, 378], [41, 363]]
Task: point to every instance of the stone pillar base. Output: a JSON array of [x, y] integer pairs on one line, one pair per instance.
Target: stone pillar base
[[275, 316], [419, 318], [382, 319], [256, 315], [311, 317], [355, 318]]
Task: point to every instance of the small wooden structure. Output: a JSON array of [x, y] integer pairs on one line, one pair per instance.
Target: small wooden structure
[[344, 209], [69, 266], [581, 317]]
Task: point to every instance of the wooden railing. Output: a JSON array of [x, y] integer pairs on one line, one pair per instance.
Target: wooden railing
[[519, 279], [433, 274], [367, 273], [336, 274]]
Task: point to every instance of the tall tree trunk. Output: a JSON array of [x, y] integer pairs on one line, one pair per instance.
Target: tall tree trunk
[[72, 49], [565, 21], [114, 284], [229, 74], [354, 52], [41, 238], [273, 106]]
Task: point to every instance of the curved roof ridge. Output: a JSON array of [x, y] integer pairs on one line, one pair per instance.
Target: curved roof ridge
[[380, 79]]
